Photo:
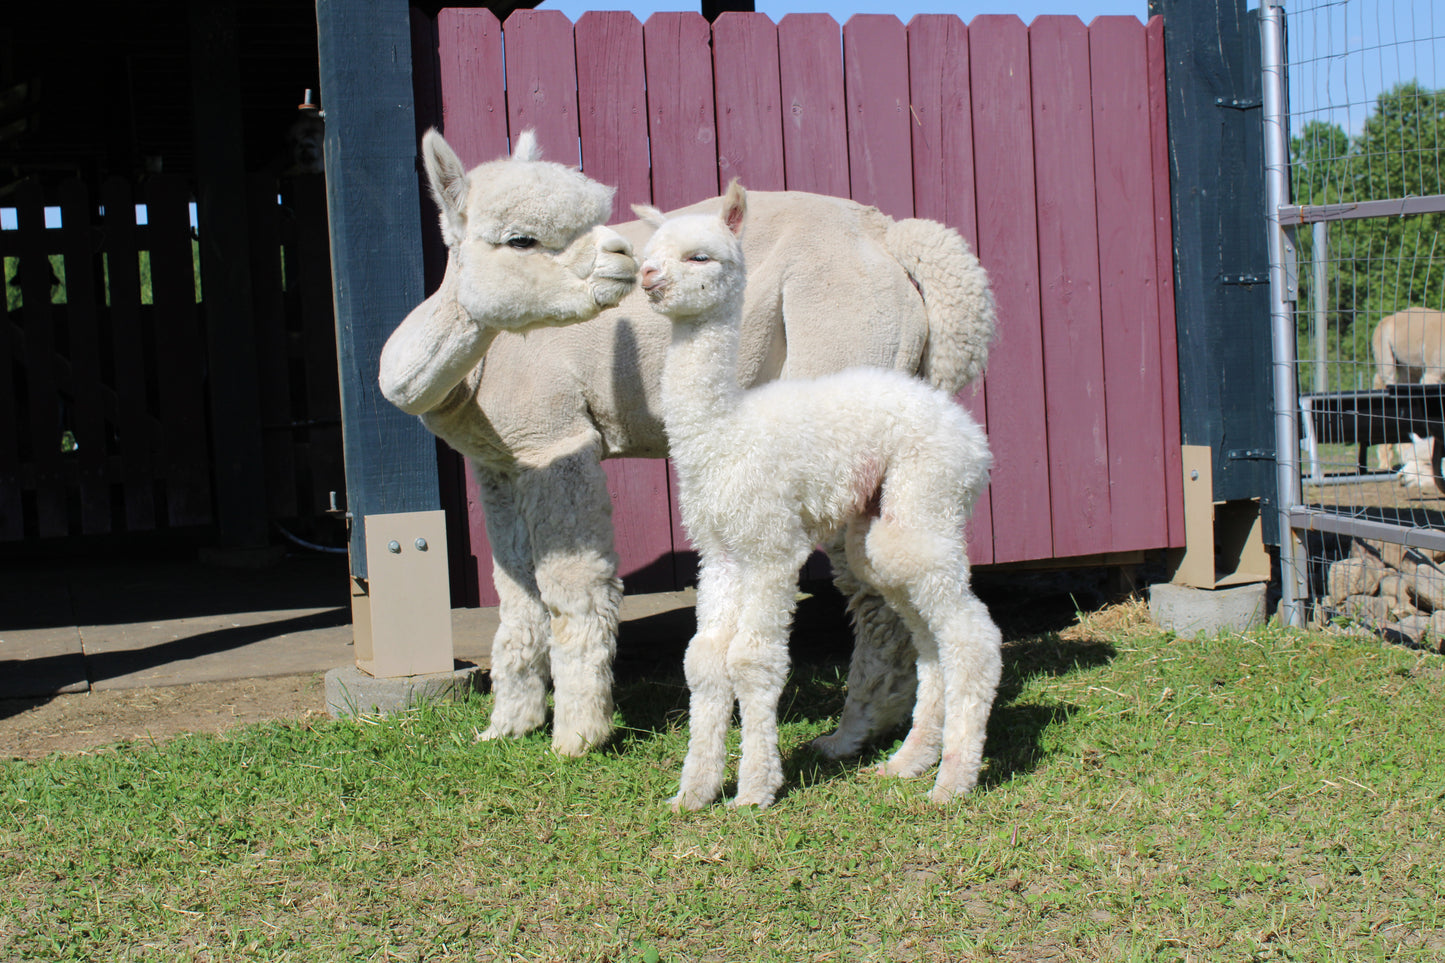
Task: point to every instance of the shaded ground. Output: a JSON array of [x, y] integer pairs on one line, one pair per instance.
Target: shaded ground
[[1023, 604]]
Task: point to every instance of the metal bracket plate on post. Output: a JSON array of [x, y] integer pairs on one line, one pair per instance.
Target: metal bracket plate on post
[[1223, 542], [401, 612]]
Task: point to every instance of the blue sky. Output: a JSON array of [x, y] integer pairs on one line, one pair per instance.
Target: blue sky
[[841, 10]]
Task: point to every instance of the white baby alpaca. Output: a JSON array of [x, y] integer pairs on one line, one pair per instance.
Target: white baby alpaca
[[768, 473]]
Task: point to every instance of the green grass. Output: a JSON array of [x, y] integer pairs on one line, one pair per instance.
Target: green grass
[[1273, 796]]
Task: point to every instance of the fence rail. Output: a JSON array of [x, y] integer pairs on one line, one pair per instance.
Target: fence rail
[[1045, 145]]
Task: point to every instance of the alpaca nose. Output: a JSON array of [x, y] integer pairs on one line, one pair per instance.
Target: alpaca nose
[[649, 276]]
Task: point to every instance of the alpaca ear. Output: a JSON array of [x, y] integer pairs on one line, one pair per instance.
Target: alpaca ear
[[447, 177], [649, 214], [526, 148], [735, 207]]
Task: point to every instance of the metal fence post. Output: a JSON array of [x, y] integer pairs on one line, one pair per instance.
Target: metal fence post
[[1281, 297], [1319, 258]]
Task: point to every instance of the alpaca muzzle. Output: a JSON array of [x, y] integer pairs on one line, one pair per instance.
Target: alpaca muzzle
[[653, 281]]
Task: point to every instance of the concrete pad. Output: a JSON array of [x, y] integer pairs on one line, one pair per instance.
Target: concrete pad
[[43, 661], [40, 649], [1195, 611], [212, 648], [72, 624], [351, 692], [472, 634]]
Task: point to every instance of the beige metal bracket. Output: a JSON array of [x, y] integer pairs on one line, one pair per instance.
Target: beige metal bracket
[[1223, 541], [401, 613]]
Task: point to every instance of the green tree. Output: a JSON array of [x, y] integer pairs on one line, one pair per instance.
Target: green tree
[[1375, 266]]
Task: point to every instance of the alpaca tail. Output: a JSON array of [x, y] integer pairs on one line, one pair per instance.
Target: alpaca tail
[[956, 296]]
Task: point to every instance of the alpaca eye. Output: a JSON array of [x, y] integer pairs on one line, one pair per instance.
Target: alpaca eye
[[522, 243], [700, 258]]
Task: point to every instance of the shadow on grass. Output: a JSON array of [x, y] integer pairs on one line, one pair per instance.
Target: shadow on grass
[[652, 696], [1014, 744], [1015, 729]]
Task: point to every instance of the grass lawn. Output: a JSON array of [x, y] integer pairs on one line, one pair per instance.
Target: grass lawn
[[1271, 796]]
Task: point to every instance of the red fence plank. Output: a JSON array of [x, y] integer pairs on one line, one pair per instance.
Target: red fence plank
[[943, 182], [83, 339], [1164, 276], [612, 101], [682, 132], [815, 138], [611, 77], [749, 101], [541, 70], [941, 126], [1128, 262], [875, 67], [1068, 245], [1008, 248], [473, 83], [680, 122], [480, 553], [642, 523]]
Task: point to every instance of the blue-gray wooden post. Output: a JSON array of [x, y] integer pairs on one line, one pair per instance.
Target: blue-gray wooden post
[[376, 249], [1221, 264]]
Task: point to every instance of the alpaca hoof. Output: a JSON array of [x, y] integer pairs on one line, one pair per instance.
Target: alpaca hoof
[[577, 743], [494, 732], [687, 802], [955, 778], [900, 766], [761, 800], [942, 794], [836, 745]]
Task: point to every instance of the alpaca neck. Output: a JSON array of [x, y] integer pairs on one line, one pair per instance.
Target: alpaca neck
[[700, 381]]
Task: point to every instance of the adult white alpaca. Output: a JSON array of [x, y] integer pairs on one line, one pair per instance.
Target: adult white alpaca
[[535, 421], [767, 473]]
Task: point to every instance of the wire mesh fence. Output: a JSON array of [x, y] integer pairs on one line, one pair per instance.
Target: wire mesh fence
[[1365, 289]]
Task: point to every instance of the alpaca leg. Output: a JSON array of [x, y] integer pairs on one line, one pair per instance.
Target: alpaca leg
[[969, 645], [924, 742], [758, 668], [569, 518], [923, 571], [710, 693], [519, 649], [881, 679]]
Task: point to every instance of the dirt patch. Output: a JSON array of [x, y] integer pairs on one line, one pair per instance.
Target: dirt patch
[[31, 728]]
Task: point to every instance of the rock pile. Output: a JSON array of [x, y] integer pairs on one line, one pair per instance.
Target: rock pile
[[1391, 588]]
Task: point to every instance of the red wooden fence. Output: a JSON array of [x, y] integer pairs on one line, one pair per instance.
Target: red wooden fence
[[1043, 144]]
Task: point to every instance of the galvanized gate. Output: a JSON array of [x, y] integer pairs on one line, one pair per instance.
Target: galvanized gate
[[1356, 194]]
